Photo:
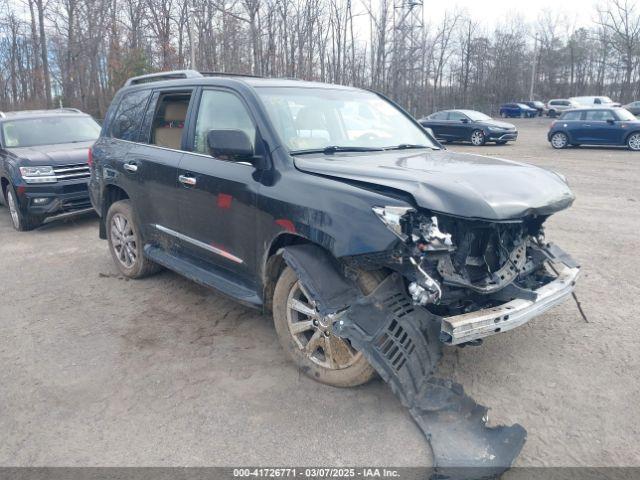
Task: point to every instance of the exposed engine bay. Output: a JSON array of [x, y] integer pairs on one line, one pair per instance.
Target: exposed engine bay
[[455, 266]]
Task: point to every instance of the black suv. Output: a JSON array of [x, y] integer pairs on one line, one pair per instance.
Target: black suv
[[330, 207], [44, 167]]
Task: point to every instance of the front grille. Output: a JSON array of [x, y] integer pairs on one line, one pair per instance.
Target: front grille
[[72, 172]]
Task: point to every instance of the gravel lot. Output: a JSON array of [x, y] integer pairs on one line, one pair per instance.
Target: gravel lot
[[98, 370]]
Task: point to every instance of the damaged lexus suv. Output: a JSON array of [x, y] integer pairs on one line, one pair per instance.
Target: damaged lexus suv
[[330, 207]]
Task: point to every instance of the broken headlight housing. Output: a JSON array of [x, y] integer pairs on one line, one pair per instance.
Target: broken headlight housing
[[421, 234]]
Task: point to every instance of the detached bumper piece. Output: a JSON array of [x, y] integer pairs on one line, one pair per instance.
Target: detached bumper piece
[[401, 342]]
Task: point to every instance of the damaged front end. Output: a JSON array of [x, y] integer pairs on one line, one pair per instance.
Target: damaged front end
[[479, 277], [453, 281]]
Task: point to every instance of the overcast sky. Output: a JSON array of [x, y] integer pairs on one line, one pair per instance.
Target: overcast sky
[[491, 12]]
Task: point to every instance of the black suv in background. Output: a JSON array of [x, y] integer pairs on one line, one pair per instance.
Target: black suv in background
[[44, 167], [331, 207]]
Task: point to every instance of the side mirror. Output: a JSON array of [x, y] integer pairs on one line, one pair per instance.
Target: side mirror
[[610, 121], [464, 120], [234, 144]]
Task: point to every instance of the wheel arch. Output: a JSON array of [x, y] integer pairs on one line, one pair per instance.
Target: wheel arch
[[274, 264], [632, 132], [112, 193]]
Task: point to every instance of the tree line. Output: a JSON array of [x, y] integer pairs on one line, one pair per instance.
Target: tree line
[[78, 53]]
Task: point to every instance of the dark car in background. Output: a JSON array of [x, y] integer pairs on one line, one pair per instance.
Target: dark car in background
[[44, 169], [595, 126], [539, 106], [633, 107], [518, 110], [468, 126]]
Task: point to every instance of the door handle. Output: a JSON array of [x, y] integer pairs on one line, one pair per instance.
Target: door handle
[[131, 167], [186, 180]]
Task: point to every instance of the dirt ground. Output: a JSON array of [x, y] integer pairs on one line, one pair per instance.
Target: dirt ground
[[98, 370]]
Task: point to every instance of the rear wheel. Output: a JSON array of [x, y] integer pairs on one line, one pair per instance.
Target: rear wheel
[[477, 138], [559, 140], [20, 221], [125, 242], [633, 142], [308, 338]]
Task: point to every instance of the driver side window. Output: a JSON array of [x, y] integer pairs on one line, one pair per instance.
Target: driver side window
[[220, 110], [456, 116]]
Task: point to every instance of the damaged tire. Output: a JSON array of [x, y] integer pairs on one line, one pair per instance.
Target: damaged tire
[[308, 338]]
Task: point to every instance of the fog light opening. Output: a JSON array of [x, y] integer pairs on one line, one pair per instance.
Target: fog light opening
[[40, 201]]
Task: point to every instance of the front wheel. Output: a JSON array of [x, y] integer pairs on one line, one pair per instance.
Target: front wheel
[[308, 339], [125, 242], [19, 220], [559, 140], [477, 138], [633, 142]]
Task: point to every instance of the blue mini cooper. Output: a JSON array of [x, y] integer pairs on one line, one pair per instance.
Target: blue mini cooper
[[595, 126]]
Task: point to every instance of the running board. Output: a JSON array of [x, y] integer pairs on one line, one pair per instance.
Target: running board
[[205, 277]]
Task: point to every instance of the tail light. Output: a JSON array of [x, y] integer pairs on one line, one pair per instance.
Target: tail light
[[90, 158]]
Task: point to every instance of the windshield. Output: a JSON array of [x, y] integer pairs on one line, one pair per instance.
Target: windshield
[[625, 115], [309, 119], [477, 116], [34, 132]]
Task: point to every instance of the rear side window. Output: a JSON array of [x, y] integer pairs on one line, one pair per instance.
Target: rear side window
[[128, 117], [572, 116]]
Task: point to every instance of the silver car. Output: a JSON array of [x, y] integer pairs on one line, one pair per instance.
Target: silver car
[[559, 105]]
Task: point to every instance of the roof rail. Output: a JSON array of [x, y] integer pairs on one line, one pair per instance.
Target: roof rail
[[160, 76], [229, 74]]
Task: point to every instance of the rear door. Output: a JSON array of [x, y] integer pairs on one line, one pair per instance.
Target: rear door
[[438, 122], [217, 206], [153, 162], [457, 128]]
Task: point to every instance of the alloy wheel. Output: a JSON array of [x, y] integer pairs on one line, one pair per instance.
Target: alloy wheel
[[13, 209], [123, 240], [559, 140], [313, 333], [634, 142], [477, 138]]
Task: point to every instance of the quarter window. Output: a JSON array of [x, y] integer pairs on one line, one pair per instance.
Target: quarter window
[[221, 110], [128, 118]]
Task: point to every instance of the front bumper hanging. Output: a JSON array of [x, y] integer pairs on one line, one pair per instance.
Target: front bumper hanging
[[483, 323]]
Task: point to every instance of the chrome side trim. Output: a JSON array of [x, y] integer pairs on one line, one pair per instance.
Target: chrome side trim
[[483, 323], [199, 244]]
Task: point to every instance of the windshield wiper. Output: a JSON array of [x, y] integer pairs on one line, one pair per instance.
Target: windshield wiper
[[406, 146], [336, 148]]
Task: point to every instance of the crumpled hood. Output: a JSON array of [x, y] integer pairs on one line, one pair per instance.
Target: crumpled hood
[[465, 185], [62, 154]]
